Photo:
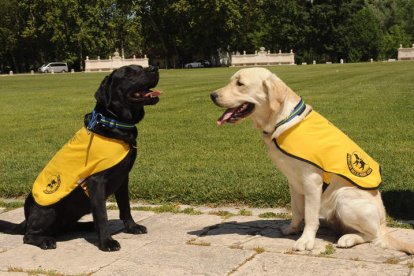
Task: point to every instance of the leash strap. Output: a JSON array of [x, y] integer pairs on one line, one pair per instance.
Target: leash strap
[[98, 118]]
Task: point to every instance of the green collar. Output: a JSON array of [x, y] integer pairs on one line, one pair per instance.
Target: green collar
[[98, 118], [298, 110]]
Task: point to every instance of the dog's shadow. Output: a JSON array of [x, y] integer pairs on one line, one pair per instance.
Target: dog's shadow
[[399, 204], [82, 230], [86, 230], [264, 228]]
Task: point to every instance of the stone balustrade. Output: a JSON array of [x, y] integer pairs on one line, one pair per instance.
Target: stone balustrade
[[263, 57], [97, 65], [406, 53]]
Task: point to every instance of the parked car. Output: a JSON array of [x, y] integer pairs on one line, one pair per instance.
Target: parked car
[[56, 67], [198, 64]]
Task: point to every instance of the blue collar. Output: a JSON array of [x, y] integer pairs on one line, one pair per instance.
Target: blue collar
[[98, 118], [298, 110]]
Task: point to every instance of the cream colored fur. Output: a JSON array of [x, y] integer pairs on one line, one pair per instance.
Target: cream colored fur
[[358, 213]]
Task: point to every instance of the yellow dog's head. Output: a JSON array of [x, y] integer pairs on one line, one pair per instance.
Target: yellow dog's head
[[251, 91]]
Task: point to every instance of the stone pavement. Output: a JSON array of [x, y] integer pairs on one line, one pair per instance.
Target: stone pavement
[[202, 244]]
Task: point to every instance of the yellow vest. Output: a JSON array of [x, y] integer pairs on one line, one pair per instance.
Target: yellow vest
[[317, 141], [87, 153]]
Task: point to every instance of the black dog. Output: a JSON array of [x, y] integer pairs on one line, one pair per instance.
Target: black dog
[[120, 102]]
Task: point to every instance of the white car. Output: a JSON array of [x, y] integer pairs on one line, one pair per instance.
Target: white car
[[56, 67], [201, 63]]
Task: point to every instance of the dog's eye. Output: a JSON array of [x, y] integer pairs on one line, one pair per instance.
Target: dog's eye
[[239, 83]]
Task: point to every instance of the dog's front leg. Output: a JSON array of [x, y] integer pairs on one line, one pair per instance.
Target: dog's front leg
[[297, 202], [122, 199], [312, 187], [97, 197]]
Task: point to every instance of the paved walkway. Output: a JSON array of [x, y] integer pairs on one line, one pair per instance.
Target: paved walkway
[[202, 244]]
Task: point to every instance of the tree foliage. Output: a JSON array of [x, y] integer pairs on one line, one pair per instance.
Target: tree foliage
[[176, 31]]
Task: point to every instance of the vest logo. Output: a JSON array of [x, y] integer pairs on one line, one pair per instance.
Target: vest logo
[[53, 185], [357, 164]]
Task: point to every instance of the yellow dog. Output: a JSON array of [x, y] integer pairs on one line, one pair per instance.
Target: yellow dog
[[309, 150]]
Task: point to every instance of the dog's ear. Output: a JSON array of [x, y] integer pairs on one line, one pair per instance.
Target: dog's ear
[[103, 95], [274, 92]]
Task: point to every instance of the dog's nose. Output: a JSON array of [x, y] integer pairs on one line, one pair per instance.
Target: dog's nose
[[214, 96]]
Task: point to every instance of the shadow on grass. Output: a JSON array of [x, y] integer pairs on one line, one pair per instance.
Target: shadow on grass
[[399, 204]]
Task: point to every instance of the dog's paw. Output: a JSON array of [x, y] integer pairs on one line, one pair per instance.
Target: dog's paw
[[349, 240], [289, 230], [43, 242], [304, 243], [48, 243], [109, 245], [136, 229]]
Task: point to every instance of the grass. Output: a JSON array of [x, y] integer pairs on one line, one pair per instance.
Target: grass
[[259, 250], [185, 158], [222, 213], [392, 261], [198, 243], [38, 271], [274, 215], [398, 224], [329, 250], [166, 208], [191, 211], [10, 205], [244, 212]]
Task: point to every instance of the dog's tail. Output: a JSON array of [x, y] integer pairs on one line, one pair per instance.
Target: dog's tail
[[395, 243], [12, 228]]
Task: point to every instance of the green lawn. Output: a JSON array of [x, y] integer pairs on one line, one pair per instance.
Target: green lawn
[[184, 157]]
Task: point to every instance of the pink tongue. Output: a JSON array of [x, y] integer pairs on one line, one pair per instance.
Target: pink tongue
[[154, 93], [226, 116]]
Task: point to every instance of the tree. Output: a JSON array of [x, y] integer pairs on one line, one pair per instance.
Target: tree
[[362, 37], [285, 26], [70, 30], [181, 30], [178, 31], [8, 33], [396, 22], [329, 21]]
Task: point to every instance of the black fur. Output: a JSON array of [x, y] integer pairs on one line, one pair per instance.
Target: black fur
[[114, 100]]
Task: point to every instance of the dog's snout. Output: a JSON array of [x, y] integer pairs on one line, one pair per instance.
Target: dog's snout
[[214, 96]]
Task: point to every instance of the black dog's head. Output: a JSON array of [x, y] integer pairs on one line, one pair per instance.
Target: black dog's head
[[126, 90]]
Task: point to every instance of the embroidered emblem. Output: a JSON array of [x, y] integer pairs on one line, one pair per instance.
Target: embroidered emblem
[[53, 185], [357, 164]]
